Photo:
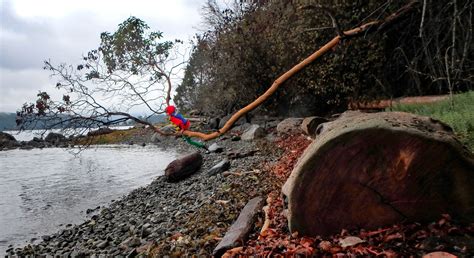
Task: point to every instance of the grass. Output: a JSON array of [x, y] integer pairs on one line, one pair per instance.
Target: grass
[[111, 138], [459, 116]]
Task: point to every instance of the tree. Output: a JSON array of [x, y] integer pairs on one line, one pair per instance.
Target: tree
[[132, 67]]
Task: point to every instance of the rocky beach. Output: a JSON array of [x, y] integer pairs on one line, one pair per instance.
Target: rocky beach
[[187, 216], [194, 215]]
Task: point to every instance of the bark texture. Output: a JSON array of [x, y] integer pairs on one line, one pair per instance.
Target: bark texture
[[371, 170]]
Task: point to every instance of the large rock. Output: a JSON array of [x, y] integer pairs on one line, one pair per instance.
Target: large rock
[[7, 140], [372, 170], [253, 132], [239, 231], [290, 125], [183, 167], [310, 124], [55, 138]]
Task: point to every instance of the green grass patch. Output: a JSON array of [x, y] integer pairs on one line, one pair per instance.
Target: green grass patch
[[460, 115]]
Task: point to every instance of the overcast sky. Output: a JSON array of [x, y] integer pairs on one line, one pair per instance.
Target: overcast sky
[[32, 31]]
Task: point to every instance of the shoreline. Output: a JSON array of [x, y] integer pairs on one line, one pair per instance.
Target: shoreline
[[153, 214]]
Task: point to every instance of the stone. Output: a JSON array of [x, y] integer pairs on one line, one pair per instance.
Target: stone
[[373, 170], [310, 124], [219, 167], [350, 241], [7, 141], [214, 123], [240, 229], [55, 138], [183, 167], [155, 138], [253, 132], [102, 244], [169, 129], [215, 148], [290, 126], [439, 254], [242, 120]]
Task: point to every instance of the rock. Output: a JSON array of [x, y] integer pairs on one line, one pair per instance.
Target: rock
[[155, 138], [235, 138], [215, 148], [310, 124], [254, 132], [131, 242], [240, 128], [350, 241], [290, 126], [55, 138], [102, 244], [219, 167], [240, 229], [372, 170], [214, 123], [439, 255], [169, 129], [224, 120], [7, 141], [183, 167], [100, 131], [46, 238]]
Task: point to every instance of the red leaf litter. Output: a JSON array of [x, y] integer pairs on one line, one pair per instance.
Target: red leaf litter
[[437, 239]]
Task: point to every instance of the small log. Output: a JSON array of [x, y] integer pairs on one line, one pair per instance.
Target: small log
[[182, 168], [239, 231], [372, 170]]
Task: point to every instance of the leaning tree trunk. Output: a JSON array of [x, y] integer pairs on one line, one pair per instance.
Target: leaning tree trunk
[[371, 170], [374, 26]]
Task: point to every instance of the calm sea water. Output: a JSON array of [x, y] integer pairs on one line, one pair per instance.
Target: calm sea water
[[42, 189]]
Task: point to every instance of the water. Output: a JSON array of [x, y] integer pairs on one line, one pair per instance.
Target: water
[[41, 189]]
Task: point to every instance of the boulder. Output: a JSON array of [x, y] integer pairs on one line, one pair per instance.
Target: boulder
[[183, 167], [239, 231], [219, 167], [55, 138], [310, 124], [253, 132], [372, 170], [7, 141], [290, 125]]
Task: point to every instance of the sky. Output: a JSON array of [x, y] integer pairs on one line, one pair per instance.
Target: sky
[[32, 31]]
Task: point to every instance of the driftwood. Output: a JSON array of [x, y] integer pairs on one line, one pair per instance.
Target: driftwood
[[183, 167], [372, 170]]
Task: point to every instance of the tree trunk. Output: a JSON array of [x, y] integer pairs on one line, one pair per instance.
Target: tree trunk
[[372, 170]]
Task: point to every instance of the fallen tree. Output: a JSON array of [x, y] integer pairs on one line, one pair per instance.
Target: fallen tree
[[372, 170]]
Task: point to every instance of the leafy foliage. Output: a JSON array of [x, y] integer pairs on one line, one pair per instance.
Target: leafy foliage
[[250, 44], [131, 67]]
